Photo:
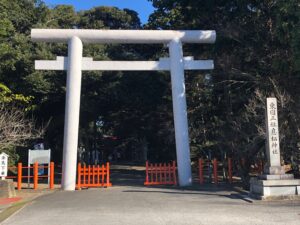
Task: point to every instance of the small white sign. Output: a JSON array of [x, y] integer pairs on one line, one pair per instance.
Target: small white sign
[[40, 156], [3, 165]]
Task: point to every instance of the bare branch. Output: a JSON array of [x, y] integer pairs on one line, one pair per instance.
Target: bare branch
[[15, 128]]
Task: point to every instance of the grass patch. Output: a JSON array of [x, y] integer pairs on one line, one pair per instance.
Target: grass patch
[[11, 210]]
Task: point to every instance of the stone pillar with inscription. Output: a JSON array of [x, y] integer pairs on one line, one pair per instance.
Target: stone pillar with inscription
[[274, 183], [272, 146]]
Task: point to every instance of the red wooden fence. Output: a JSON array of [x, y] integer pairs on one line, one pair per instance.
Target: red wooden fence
[[215, 170], [93, 176], [162, 173], [35, 175]]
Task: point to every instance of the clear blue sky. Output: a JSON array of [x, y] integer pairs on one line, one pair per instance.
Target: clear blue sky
[[143, 7]]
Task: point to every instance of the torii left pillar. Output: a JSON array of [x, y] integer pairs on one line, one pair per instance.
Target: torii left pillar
[[72, 109], [180, 113]]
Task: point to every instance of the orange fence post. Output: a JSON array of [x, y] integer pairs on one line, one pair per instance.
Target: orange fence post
[[151, 172], [155, 166], [165, 174], [170, 174], [51, 175], [230, 170], [93, 174], [89, 174], [19, 185], [215, 168], [79, 176], [35, 175], [147, 175], [98, 175], [201, 179], [84, 174], [102, 172], [160, 173], [174, 173], [107, 175]]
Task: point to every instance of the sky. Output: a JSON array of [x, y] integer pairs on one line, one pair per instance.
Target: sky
[[142, 7]]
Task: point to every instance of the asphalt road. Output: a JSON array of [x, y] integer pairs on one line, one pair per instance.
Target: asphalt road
[[133, 204], [139, 205]]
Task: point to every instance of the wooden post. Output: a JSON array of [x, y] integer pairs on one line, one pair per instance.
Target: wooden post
[[84, 174], [169, 173], [107, 175], [230, 170], [89, 174], [93, 174], [174, 173], [51, 175], [165, 173], [98, 175], [35, 175], [103, 177], [151, 172], [160, 173], [156, 176], [19, 185], [147, 175], [201, 178], [215, 168], [79, 176]]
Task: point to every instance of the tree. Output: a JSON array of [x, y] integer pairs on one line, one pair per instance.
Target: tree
[[253, 38], [16, 129]]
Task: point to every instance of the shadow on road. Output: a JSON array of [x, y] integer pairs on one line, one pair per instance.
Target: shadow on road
[[134, 176]]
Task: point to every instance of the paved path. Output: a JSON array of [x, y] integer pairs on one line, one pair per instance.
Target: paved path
[[143, 206], [132, 204]]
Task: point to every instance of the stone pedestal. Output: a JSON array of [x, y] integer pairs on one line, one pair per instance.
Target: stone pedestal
[[276, 177], [274, 170], [274, 188], [7, 189]]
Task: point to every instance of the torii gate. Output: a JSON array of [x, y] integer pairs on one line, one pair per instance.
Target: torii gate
[[75, 63]]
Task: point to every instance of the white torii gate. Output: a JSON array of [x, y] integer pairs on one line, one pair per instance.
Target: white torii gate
[[75, 63]]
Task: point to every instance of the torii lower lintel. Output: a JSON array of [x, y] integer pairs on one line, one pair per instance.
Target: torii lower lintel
[[61, 63]]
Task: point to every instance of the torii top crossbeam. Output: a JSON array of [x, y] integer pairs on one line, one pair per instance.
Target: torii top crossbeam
[[124, 36]]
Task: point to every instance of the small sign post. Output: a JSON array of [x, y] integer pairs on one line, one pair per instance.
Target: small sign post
[[40, 156], [3, 165]]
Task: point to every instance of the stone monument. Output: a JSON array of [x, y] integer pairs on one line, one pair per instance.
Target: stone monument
[[274, 183]]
